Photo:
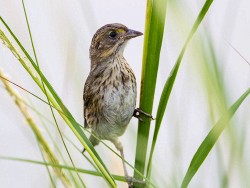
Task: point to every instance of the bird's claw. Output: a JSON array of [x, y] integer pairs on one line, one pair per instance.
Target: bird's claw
[[138, 112], [130, 180]]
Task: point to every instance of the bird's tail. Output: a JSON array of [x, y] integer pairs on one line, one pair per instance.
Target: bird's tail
[[94, 141]]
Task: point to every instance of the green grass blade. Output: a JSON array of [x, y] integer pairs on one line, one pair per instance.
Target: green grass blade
[[45, 90], [43, 144], [80, 170], [52, 123], [170, 82], [155, 21], [66, 115], [210, 140]]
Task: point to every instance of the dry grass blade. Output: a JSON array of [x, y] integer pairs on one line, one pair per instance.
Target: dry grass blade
[[47, 151]]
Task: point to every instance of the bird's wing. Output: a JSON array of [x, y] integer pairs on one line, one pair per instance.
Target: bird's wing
[[87, 98], [91, 97]]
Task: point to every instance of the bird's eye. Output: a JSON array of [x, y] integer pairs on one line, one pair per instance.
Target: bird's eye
[[112, 34]]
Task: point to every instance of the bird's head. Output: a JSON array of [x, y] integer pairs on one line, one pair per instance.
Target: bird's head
[[110, 40]]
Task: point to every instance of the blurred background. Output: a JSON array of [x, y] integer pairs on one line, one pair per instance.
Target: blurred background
[[212, 76]]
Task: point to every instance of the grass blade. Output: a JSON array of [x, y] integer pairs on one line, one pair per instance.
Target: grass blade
[[57, 102], [47, 120], [59, 166], [45, 90], [170, 82], [155, 21], [46, 150], [210, 140]]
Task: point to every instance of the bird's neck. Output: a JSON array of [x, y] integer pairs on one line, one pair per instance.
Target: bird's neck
[[109, 61]]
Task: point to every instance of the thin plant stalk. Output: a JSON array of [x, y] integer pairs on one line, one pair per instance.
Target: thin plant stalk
[[57, 103], [49, 155], [45, 91]]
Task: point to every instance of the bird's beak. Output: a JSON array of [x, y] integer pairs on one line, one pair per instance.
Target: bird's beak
[[132, 34]]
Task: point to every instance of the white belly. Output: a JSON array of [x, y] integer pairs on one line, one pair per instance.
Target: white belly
[[118, 109], [119, 104]]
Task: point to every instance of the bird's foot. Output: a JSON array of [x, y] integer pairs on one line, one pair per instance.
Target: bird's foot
[[130, 180], [138, 112]]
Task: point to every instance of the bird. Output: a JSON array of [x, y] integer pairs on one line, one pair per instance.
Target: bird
[[110, 90]]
